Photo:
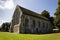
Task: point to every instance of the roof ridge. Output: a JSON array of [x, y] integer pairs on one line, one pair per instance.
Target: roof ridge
[[33, 13]]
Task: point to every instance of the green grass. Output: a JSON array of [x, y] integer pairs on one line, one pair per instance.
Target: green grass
[[12, 36]]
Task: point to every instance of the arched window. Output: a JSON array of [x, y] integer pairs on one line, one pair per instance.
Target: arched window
[[34, 23], [26, 22], [47, 25], [43, 25], [26, 25], [39, 24]]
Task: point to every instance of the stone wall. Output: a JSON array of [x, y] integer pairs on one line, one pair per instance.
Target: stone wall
[[23, 22], [15, 19], [34, 24], [16, 28]]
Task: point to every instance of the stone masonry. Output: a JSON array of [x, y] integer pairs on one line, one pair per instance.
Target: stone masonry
[[26, 21]]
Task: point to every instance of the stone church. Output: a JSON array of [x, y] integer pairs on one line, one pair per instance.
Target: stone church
[[27, 21]]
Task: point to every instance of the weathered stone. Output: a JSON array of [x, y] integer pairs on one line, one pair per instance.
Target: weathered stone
[[26, 21]]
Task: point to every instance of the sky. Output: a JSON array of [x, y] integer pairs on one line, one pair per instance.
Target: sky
[[7, 7]]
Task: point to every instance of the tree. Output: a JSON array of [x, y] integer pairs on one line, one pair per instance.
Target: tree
[[58, 2], [45, 14], [52, 21], [57, 14], [5, 27]]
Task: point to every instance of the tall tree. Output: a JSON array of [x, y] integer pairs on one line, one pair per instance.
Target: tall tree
[[45, 14], [57, 14]]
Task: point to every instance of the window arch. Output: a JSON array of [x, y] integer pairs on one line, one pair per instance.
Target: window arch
[[26, 22], [26, 25], [43, 24], [39, 24], [34, 23]]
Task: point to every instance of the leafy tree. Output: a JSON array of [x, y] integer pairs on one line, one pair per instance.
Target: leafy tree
[[57, 11], [57, 14], [52, 20], [45, 14], [58, 2], [5, 27]]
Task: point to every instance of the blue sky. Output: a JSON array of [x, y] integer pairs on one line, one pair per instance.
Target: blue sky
[[7, 7]]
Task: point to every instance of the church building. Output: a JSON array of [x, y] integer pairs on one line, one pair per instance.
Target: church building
[[26, 21]]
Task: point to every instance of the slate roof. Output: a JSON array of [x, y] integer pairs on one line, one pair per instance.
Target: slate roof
[[29, 12]]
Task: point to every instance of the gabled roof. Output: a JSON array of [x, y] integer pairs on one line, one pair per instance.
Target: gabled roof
[[24, 10]]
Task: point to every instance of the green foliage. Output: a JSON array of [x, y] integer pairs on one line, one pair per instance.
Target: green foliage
[[58, 2], [5, 26], [57, 11], [52, 20], [57, 21], [57, 14], [45, 14]]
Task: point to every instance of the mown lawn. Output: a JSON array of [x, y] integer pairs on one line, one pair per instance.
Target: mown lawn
[[11, 36]]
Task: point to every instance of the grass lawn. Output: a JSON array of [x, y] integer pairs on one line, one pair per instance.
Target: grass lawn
[[11, 36]]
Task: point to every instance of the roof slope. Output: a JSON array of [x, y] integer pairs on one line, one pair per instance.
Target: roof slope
[[32, 13]]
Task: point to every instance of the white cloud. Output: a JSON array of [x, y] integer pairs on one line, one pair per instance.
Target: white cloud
[[6, 4], [3, 21]]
